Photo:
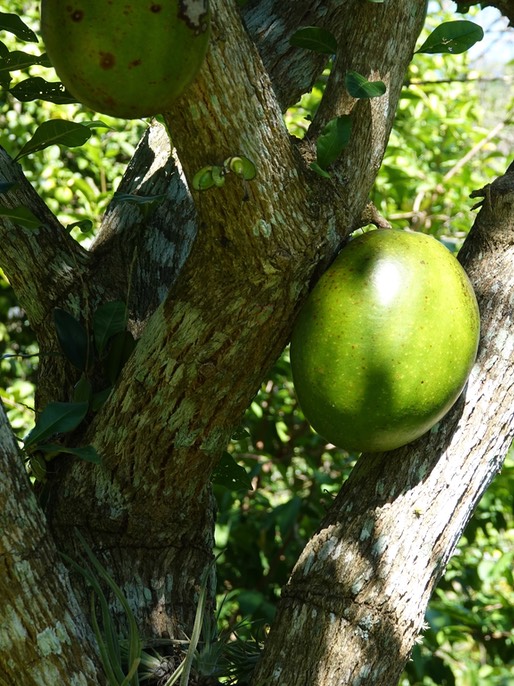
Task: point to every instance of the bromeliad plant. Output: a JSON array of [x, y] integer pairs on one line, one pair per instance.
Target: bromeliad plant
[[106, 343], [207, 656]]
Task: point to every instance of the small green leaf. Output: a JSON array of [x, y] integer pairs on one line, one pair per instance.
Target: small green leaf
[[452, 37], [73, 338], [38, 467], [241, 166], [36, 88], [120, 349], [82, 391], [100, 398], [22, 216], [87, 453], [203, 180], [56, 418], [218, 176], [55, 132], [321, 172], [18, 60], [108, 320], [332, 140], [97, 124], [316, 39], [359, 87], [84, 226], [14, 24], [231, 475]]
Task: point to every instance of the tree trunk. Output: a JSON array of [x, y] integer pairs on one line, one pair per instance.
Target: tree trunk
[[44, 638], [213, 282]]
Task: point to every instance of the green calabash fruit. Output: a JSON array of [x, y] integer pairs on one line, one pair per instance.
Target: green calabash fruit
[[385, 343], [126, 58]]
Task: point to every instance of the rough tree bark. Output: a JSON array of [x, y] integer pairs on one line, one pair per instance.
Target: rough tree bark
[[213, 284]]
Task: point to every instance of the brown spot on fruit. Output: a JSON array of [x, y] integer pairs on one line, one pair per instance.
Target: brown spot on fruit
[[107, 60], [77, 15], [155, 8]]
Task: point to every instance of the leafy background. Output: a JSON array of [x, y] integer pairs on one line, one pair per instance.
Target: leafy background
[[440, 150]]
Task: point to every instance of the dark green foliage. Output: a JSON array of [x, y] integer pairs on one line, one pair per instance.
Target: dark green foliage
[[332, 141], [73, 338], [359, 87], [294, 475], [56, 418], [315, 38]]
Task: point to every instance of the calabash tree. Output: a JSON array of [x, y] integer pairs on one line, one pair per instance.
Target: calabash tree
[[156, 338]]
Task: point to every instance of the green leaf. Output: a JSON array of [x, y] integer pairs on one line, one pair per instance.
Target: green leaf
[[108, 320], [22, 216], [134, 640], [332, 140], [100, 398], [38, 466], [87, 452], [36, 88], [83, 390], [321, 172], [84, 225], [5, 79], [56, 418], [18, 60], [218, 176], [231, 475], [316, 39], [120, 349], [452, 37], [203, 179], [99, 124], [241, 166], [14, 24], [73, 338], [55, 132], [359, 87]]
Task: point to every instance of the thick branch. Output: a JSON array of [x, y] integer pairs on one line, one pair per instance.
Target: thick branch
[[41, 264], [363, 583], [147, 245], [365, 26], [44, 637]]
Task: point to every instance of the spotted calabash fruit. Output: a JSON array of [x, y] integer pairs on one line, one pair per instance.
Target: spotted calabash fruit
[[126, 58], [386, 341]]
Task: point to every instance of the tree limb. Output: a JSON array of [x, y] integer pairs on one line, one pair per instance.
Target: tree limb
[[42, 263], [44, 637]]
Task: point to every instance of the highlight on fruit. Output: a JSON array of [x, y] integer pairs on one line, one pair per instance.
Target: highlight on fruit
[[385, 342], [126, 58]]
